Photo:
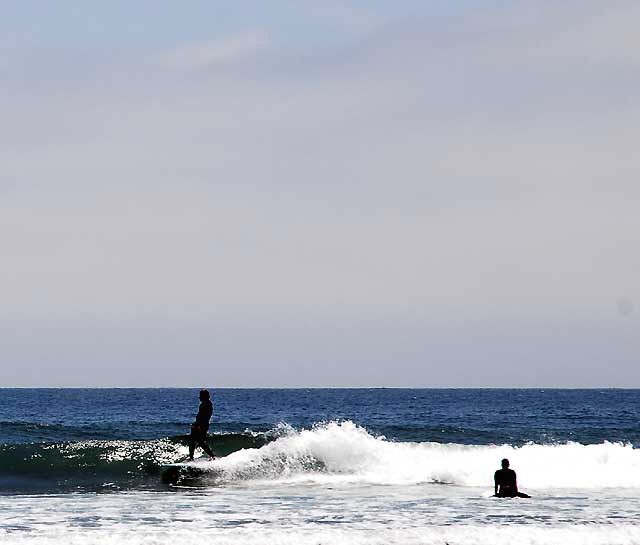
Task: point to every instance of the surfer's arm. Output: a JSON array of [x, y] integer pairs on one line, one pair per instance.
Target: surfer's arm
[[199, 415], [495, 480]]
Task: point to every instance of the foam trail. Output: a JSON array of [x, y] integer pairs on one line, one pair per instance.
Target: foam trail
[[346, 452], [459, 535]]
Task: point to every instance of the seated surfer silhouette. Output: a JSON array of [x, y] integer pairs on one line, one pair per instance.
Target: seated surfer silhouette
[[200, 427], [506, 484]]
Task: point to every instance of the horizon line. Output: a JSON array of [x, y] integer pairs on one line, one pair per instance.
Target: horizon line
[[319, 388]]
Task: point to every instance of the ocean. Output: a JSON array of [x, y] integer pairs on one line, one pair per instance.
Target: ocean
[[320, 466]]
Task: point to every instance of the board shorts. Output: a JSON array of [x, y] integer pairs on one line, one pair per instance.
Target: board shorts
[[199, 431]]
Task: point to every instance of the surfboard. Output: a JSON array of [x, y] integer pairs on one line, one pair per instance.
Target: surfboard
[[194, 464], [187, 472]]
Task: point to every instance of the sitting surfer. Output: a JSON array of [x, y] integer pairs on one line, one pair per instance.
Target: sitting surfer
[[200, 427], [506, 484]]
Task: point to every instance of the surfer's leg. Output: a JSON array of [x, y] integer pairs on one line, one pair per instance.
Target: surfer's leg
[[523, 495], [202, 441], [192, 446]]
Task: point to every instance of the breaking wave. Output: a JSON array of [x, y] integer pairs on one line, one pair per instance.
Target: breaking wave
[[345, 452], [104, 464], [330, 452]]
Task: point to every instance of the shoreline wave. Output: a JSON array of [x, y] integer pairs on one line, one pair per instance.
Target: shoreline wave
[[601, 534]]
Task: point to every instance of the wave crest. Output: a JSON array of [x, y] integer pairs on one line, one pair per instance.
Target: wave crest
[[331, 452]]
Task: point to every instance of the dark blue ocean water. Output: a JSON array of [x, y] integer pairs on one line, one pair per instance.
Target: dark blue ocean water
[[463, 416], [68, 438]]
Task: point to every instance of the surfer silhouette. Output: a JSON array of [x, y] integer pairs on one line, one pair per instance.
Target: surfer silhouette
[[506, 483], [200, 427]]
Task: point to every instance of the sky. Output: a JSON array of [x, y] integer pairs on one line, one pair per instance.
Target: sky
[[320, 194]]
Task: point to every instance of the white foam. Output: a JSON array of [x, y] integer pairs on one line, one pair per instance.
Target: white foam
[[451, 535], [346, 452]]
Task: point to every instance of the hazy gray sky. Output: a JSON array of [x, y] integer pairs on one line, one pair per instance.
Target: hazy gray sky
[[320, 193]]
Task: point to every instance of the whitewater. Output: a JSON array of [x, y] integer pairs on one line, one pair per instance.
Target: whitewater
[[344, 452]]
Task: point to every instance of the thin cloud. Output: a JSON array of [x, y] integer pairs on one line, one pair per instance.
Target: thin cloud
[[202, 54], [463, 175]]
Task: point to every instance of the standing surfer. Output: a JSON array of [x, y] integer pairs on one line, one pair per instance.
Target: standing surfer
[[200, 427]]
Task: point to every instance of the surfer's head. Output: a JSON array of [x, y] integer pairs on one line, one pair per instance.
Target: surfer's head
[[204, 395], [505, 463]]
